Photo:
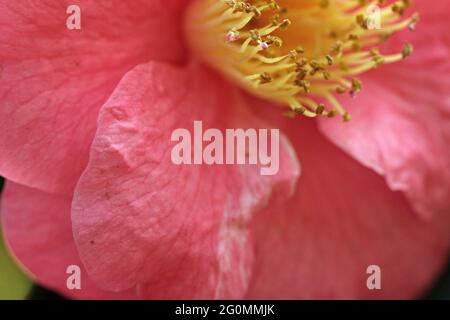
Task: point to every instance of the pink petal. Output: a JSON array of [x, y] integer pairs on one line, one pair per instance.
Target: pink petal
[[171, 231], [38, 230], [430, 37], [54, 80], [401, 120], [342, 219]]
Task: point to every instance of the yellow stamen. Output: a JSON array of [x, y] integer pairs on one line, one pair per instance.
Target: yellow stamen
[[296, 52]]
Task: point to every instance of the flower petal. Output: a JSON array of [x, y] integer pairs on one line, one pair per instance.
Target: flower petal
[[401, 120], [430, 38], [341, 220], [38, 230], [173, 231], [54, 80]]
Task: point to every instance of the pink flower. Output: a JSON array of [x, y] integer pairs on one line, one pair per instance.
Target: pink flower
[[85, 145]]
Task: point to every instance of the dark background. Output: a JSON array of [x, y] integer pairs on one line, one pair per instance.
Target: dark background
[[440, 291]]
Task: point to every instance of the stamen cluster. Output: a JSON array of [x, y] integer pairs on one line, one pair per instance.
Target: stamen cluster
[[296, 53]]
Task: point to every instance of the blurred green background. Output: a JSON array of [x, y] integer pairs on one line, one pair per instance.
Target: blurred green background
[[13, 283]]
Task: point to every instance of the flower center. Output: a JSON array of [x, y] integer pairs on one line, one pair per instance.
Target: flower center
[[298, 53]]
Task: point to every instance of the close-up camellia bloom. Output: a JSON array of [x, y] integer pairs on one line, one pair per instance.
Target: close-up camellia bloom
[[364, 115]]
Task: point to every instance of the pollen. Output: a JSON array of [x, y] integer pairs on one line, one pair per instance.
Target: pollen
[[301, 54]]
